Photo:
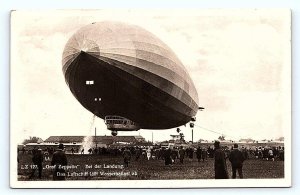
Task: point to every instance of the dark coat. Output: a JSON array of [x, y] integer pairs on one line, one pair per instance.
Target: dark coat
[[190, 152], [38, 158], [199, 153], [167, 156], [127, 155], [59, 159], [174, 154], [220, 165], [181, 153], [236, 158], [204, 154]]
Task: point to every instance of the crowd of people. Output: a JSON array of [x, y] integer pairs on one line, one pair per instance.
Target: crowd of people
[[237, 157], [170, 156], [201, 153]]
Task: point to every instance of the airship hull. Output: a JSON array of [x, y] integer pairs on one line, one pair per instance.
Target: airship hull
[[120, 87]]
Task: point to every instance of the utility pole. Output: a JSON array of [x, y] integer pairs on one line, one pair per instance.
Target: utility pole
[[192, 135], [152, 137]]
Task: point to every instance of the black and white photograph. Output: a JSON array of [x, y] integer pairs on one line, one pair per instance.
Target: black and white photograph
[[150, 98]]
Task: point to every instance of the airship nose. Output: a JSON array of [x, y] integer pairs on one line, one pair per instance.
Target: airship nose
[[87, 46], [76, 46]]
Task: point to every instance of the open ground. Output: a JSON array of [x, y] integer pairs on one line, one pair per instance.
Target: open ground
[[98, 167]]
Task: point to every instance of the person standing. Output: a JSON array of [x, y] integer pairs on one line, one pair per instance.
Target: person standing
[[181, 154], [256, 153], [126, 156], [236, 158], [138, 153], [245, 153], [191, 153], [199, 153], [167, 156], [72, 150], [96, 150], [281, 153], [162, 153], [174, 154], [204, 154], [148, 151], [220, 162], [157, 153], [23, 149], [37, 160], [59, 159], [271, 154]]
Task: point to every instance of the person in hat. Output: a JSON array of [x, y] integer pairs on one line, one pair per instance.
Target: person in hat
[[220, 162], [59, 159], [236, 158]]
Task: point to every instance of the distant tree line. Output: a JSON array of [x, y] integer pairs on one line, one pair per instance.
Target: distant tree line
[[33, 139]]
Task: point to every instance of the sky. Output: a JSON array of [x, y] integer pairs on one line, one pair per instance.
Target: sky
[[239, 61]]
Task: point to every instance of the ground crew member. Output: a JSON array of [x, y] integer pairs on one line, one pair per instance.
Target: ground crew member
[[236, 158], [220, 162], [59, 159], [126, 156], [37, 160]]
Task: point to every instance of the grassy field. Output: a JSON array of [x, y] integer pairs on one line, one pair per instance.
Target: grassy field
[[110, 168]]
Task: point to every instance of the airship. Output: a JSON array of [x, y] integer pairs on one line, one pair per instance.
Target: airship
[[127, 76]]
